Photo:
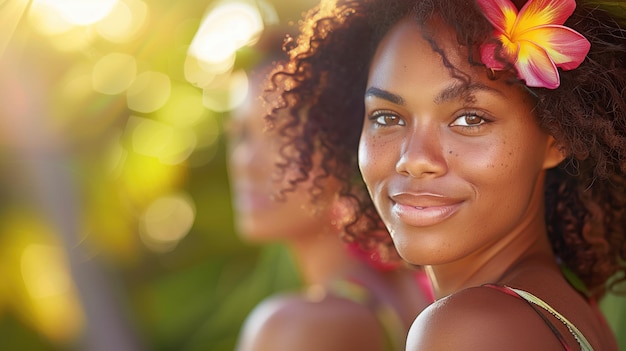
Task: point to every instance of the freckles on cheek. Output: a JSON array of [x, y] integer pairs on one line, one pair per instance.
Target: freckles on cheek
[[505, 163], [497, 157]]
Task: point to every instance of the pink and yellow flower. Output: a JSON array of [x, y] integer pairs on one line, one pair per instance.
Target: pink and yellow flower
[[534, 40]]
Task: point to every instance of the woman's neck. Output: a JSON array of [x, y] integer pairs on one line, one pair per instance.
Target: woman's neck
[[321, 258], [494, 264]]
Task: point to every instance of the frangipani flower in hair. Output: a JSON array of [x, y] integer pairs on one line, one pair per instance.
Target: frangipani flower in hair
[[534, 40]]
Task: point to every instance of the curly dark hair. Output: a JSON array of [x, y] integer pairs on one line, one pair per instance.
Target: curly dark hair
[[320, 110]]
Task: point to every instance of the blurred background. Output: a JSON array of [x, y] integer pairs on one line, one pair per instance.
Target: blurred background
[[116, 229]]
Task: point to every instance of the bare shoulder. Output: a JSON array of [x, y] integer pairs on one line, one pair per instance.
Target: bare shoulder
[[292, 322], [480, 319]]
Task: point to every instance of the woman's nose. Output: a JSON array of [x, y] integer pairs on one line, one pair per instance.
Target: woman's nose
[[421, 155]]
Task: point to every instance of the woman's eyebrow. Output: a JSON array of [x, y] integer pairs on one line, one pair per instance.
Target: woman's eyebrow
[[455, 91], [384, 94], [452, 92]]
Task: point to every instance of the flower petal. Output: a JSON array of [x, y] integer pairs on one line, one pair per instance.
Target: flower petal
[[535, 67], [488, 56], [565, 47], [501, 13], [544, 12]]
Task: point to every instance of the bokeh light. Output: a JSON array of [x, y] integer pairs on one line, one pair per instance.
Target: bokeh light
[[201, 75], [119, 103], [184, 108], [171, 145], [78, 23], [76, 84], [44, 18], [114, 73], [124, 21], [149, 92], [76, 12], [41, 284], [226, 93], [52, 293], [166, 221], [34, 258], [228, 27]]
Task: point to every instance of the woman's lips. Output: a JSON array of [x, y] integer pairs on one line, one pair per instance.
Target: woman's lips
[[423, 211]]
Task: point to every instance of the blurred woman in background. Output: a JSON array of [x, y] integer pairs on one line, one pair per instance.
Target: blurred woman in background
[[352, 299]]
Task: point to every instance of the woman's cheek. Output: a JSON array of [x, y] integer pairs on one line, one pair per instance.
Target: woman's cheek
[[488, 159], [370, 162], [377, 162]]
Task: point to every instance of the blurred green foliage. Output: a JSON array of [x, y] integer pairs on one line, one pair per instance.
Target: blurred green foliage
[[75, 180]]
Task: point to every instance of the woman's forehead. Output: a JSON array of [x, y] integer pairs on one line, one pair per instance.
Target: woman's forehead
[[408, 66], [407, 45]]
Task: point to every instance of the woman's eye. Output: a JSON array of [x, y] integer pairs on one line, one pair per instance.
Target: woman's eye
[[468, 120], [387, 119]]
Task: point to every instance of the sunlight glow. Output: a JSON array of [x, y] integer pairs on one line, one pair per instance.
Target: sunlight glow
[[228, 27], [124, 21], [77, 12], [46, 19]]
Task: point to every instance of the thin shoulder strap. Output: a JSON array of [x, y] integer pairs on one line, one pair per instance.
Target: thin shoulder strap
[[580, 338], [533, 301], [387, 317]]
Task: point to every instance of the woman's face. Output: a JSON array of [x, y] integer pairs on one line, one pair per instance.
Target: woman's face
[[453, 170], [253, 154]]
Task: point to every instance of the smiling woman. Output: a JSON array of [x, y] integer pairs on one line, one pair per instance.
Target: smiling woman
[[490, 136], [455, 152]]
